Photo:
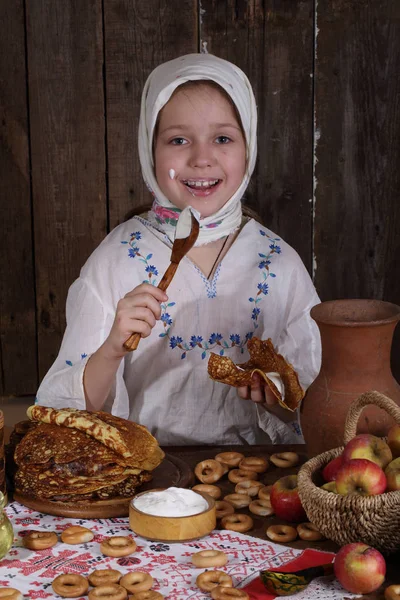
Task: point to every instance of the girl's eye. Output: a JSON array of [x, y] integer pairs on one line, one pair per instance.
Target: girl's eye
[[178, 141], [223, 139]]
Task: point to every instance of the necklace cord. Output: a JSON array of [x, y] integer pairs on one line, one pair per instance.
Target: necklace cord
[[218, 256]]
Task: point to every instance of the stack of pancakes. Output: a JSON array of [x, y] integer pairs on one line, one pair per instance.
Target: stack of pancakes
[[76, 455]]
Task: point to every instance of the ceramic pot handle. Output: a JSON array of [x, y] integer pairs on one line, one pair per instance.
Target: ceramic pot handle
[[356, 408]]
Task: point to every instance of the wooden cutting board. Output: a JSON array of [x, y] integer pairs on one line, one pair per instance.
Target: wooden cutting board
[[173, 471]]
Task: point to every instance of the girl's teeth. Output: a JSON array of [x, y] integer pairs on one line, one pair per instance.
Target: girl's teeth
[[201, 184]]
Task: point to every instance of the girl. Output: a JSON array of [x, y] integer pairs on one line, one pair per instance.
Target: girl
[[197, 147]]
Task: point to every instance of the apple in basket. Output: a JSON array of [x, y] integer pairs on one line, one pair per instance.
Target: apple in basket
[[393, 438], [392, 473], [285, 500], [330, 486], [360, 476], [371, 447], [330, 471], [359, 568]]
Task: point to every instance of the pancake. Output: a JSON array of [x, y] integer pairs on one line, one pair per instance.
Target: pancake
[[263, 360]]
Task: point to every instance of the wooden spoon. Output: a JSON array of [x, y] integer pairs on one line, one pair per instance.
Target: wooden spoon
[[187, 231]]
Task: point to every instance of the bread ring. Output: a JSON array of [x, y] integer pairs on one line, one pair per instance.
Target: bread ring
[[392, 592], [209, 471], [264, 493], [109, 591], [261, 507], [10, 594], [104, 576], [231, 459], [76, 534], [210, 579], [222, 593], [309, 532], [209, 558], [284, 460], [70, 585], [282, 533], [117, 546], [238, 500], [39, 540], [212, 490], [250, 487], [147, 595], [223, 508], [258, 464], [237, 475], [137, 581], [237, 522]]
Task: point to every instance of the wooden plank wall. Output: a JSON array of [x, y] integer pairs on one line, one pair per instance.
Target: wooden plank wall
[[71, 75]]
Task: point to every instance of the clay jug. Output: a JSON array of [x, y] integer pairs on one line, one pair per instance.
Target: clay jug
[[356, 338]]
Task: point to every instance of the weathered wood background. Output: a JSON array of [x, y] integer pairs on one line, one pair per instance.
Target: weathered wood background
[[326, 78]]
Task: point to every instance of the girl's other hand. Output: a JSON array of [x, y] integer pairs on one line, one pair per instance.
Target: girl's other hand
[[258, 392], [137, 312]]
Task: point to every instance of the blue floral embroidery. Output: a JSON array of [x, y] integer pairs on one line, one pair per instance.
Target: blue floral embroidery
[[215, 340], [71, 364]]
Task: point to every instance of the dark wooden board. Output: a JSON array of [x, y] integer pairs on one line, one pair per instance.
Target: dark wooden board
[[173, 471], [18, 352], [273, 43], [66, 95], [138, 37]]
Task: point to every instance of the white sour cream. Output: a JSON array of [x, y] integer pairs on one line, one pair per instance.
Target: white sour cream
[[172, 502]]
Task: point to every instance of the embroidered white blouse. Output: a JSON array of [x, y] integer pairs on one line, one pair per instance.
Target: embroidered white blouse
[[260, 287]]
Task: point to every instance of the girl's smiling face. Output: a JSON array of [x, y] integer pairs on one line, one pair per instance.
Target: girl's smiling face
[[200, 138]]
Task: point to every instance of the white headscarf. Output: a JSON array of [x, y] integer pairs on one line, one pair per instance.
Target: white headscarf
[[158, 89]]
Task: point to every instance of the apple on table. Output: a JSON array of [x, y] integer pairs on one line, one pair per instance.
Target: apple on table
[[285, 500], [360, 568]]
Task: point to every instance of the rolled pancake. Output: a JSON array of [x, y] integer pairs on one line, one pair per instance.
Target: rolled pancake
[[263, 360]]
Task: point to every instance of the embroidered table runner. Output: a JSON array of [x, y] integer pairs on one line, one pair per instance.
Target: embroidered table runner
[[169, 564]]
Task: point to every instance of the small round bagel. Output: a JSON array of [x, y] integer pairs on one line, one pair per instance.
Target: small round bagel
[[237, 522], [39, 540], [231, 459], [237, 475], [104, 576], [10, 594], [392, 592], [147, 595], [227, 593], [238, 500], [109, 591], [210, 579], [70, 585], [309, 532], [117, 546], [282, 533], [264, 493], [223, 508], [284, 460], [250, 487], [212, 490], [209, 471], [137, 581], [261, 508], [209, 558], [258, 464], [77, 535]]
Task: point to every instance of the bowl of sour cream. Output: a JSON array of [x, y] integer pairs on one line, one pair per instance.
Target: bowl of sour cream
[[172, 514]]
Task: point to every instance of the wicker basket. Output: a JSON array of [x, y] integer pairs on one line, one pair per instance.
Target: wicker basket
[[374, 520]]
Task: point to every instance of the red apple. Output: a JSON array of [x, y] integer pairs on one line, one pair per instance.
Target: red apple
[[370, 447], [359, 568], [285, 499], [392, 473], [360, 476], [330, 487], [394, 440], [330, 471]]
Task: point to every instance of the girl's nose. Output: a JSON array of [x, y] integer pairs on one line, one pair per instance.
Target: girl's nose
[[202, 156]]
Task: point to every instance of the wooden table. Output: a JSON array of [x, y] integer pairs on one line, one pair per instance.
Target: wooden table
[[194, 454]]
